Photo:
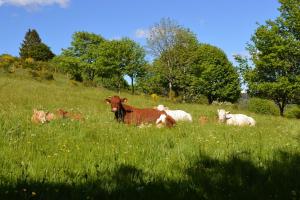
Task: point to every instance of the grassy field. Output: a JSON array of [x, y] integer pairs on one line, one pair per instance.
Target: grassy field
[[101, 159]]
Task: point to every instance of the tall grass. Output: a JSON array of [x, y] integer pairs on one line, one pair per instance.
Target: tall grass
[[101, 159]]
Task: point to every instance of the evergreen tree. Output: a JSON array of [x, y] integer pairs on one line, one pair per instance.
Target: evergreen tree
[[32, 47]]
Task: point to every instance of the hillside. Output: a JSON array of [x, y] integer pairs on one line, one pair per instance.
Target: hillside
[[96, 158]]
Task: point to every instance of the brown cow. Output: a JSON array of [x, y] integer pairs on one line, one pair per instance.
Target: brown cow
[[60, 113], [130, 115]]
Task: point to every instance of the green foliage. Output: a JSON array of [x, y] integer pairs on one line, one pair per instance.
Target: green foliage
[[152, 82], [135, 56], [82, 46], [111, 61], [113, 83], [217, 78], [293, 111], [172, 46], [262, 106], [275, 51], [83, 49], [243, 67], [117, 58], [91, 56], [70, 65], [32, 47], [188, 68]]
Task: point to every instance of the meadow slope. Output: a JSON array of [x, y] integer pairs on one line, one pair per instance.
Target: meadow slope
[[101, 159]]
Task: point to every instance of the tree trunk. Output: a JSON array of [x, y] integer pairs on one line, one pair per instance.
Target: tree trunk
[[281, 106], [281, 109], [132, 86], [119, 87], [170, 90], [210, 99]]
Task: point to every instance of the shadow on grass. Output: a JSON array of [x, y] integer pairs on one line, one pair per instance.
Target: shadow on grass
[[206, 178]]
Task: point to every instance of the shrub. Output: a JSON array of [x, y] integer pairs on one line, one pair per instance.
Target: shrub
[[41, 75], [111, 83], [11, 69], [89, 83], [262, 106], [47, 76], [292, 111], [29, 63], [6, 62], [34, 73]]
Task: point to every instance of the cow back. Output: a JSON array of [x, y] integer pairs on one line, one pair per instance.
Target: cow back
[[140, 116]]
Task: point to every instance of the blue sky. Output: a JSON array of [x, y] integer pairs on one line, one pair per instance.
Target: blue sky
[[227, 24]]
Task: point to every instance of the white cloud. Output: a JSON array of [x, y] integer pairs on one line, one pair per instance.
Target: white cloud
[[35, 3], [141, 33]]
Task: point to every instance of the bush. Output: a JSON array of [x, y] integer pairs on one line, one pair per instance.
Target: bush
[[262, 106], [41, 75], [11, 69], [89, 83], [47, 76], [293, 111], [111, 83], [7, 63], [34, 73]]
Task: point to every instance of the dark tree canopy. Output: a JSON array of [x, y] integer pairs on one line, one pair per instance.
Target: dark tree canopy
[[32, 47]]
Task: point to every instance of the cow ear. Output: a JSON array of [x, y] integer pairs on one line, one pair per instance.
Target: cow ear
[[107, 101], [124, 100]]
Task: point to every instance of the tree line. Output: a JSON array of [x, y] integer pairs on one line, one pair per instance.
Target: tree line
[[181, 66]]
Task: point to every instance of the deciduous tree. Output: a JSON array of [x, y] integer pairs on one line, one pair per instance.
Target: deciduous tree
[[275, 52]]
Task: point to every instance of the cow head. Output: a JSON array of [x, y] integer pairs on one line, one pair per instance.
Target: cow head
[[223, 115], [115, 102], [39, 116]]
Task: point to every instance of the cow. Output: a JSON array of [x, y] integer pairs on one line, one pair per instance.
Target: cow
[[39, 116], [136, 116], [203, 120], [177, 115], [60, 113], [235, 119]]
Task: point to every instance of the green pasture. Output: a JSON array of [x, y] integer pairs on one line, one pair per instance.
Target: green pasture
[[102, 159]]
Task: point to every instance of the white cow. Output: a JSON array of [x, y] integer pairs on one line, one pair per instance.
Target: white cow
[[177, 115], [235, 119]]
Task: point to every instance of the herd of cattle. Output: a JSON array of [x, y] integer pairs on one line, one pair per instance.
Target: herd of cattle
[[159, 116], [162, 116]]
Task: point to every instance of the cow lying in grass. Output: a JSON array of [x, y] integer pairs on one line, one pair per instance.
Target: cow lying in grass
[[60, 113], [130, 115], [177, 115], [235, 119], [41, 117]]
